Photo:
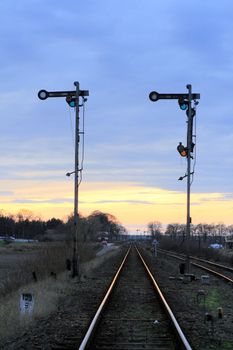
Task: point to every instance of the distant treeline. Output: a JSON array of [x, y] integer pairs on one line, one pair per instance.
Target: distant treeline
[[202, 229], [26, 226]]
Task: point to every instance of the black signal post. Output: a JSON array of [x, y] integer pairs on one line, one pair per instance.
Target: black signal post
[[185, 101], [72, 98]]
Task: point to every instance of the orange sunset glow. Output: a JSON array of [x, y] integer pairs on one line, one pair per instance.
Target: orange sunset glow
[[125, 201]]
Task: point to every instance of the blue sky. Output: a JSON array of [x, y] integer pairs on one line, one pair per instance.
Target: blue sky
[[120, 51]]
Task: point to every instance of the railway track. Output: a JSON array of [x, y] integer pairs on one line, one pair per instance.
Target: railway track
[[133, 317], [134, 314], [219, 267]]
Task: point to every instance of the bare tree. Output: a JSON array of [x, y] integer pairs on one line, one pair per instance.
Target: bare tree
[[155, 227], [175, 230]]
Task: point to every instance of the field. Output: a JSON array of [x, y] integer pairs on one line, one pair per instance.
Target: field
[[18, 262]]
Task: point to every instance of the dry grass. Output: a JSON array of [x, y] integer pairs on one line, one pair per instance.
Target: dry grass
[[46, 294], [18, 262], [21, 261], [88, 266]]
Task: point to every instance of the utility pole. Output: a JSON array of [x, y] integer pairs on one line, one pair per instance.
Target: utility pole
[[185, 103], [72, 98], [189, 149], [75, 259]]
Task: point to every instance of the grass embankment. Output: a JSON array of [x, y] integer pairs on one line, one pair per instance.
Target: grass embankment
[[21, 264], [46, 294], [42, 259]]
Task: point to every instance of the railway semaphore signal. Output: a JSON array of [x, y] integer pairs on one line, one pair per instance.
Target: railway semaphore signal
[[185, 102], [72, 98]]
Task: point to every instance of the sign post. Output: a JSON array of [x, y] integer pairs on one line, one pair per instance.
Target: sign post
[[27, 302]]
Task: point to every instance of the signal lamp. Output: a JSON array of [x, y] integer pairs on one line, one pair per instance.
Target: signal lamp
[[183, 104], [71, 101], [182, 150]]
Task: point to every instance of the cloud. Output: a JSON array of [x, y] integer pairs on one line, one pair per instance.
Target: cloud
[[123, 201], [6, 193], [130, 143], [51, 201], [227, 197]]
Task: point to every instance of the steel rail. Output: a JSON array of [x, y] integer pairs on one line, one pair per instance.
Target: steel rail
[[224, 267], [95, 320], [213, 272], [227, 279], [176, 325], [182, 257]]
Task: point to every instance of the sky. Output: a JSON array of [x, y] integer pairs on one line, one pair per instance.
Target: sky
[[120, 51]]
